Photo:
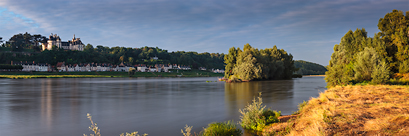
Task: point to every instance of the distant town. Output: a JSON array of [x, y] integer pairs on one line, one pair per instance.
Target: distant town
[[52, 54]]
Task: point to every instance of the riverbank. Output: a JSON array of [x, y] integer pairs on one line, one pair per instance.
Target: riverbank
[[350, 110], [188, 73]]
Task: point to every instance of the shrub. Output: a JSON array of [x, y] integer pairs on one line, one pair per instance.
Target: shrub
[[380, 74], [256, 117], [131, 71], [221, 129]]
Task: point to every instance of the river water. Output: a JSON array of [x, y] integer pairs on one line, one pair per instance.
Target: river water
[[156, 106]]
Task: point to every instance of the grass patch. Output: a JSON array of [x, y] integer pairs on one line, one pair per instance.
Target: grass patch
[[228, 128], [353, 110]]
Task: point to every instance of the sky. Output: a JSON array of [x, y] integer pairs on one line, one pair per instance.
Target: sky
[[306, 29]]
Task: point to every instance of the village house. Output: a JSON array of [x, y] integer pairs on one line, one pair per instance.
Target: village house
[[32, 66], [141, 68], [202, 68], [61, 66], [184, 68], [167, 67], [218, 70]]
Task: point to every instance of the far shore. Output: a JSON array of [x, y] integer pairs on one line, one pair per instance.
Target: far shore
[[94, 74]]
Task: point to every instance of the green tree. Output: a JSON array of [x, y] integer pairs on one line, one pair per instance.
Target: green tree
[[131, 71], [230, 61], [130, 60], [394, 29], [89, 48], [366, 62]]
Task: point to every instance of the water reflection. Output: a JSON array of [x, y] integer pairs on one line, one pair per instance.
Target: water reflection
[[238, 95], [157, 106]]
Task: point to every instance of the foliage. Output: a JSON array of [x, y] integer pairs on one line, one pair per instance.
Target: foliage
[[381, 73], [254, 64], [255, 117], [11, 67], [358, 58], [131, 71], [117, 55], [309, 68], [365, 64], [221, 129], [97, 132]]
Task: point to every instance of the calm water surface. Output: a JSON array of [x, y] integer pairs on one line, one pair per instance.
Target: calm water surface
[[157, 106]]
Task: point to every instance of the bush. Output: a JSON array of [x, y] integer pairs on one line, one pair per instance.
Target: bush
[[221, 129], [256, 117], [131, 72], [380, 74]]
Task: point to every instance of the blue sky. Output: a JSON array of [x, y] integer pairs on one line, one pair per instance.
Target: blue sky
[[306, 29]]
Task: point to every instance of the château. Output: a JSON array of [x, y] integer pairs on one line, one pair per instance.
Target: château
[[74, 44]]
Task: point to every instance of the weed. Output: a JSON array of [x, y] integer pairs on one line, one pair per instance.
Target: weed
[[97, 131], [255, 117]]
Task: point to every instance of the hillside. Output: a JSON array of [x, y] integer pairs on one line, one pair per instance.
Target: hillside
[[309, 68], [351, 110]]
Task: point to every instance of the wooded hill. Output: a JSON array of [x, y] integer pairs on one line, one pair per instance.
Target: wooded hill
[[309, 68], [116, 55]]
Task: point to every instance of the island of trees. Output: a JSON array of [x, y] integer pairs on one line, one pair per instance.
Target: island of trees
[[254, 64]]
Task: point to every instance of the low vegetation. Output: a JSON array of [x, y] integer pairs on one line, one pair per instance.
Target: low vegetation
[[351, 110], [255, 117], [228, 128]]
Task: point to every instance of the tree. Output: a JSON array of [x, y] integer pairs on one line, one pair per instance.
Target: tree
[[130, 60], [394, 29], [230, 61], [89, 48], [131, 71], [254, 64], [121, 59], [366, 62]]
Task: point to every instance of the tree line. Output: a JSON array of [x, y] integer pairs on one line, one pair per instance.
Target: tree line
[[359, 58], [254, 64], [117, 55], [308, 68]]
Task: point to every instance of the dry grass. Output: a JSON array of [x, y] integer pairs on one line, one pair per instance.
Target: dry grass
[[351, 110]]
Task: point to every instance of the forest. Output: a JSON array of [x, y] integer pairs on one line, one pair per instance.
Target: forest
[[359, 58], [308, 68], [28, 50], [254, 64]]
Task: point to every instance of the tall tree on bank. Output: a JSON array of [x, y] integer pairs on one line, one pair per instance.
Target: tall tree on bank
[[230, 61], [255, 64], [360, 58]]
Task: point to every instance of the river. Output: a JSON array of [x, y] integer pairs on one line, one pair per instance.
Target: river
[[156, 106]]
